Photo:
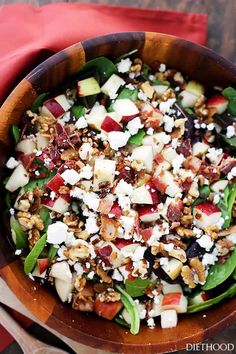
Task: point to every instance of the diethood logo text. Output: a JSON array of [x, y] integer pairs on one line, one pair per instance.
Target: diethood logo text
[[210, 347]]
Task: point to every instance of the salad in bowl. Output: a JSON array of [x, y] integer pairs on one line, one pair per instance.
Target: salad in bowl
[[121, 192]]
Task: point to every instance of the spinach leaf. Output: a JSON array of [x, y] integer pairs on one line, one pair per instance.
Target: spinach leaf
[[102, 68], [45, 216], [229, 141], [223, 205], [233, 275], [78, 111], [125, 55], [230, 94], [52, 252], [38, 102], [19, 236], [16, 132], [127, 93], [132, 309], [209, 303], [34, 254], [122, 322], [137, 139], [137, 287], [218, 273], [146, 71], [8, 199], [204, 193], [39, 183], [160, 82], [189, 110]]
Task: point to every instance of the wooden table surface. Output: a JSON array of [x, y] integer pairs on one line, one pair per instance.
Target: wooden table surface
[[221, 38], [221, 17]]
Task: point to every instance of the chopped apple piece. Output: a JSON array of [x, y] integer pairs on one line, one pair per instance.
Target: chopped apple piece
[[104, 171], [219, 186], [160, 89], [63, 288], [110, 125], [169, 319], [206, 214], [144, 154], [148, 213], [96, 116], [175, 301], [157, 141], [59, 205], [219, 102], [173, 268], [146, 194], [200, 148], [126, 108], [27, 146], [88, 87], [171, 288], [107, 310], [112, 85], [61, 271], [19, 178], [56, 107]]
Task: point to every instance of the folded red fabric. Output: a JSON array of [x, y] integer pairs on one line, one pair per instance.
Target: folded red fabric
[[30, 34]]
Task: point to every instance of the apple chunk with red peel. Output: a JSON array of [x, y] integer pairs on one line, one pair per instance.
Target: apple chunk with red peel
[[19, 178], [175, 301], [144, 154], [43, 264], [190, 95], [173, 268], [219, 186], [146, 194], [59, 205], [126, 108], [206, 214], [96, 116], [110, 125], [88, 87], [56, 107], [148, 213], [112, 85], [171, 288], [219, 102], [169, 319], [56, 183], [63, 288], [104, 171], [107, 310]]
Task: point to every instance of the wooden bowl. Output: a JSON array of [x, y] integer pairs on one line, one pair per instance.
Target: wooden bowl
[[196, 61]]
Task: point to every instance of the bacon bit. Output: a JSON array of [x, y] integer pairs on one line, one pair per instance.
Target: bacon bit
[[147, 233], [185, 148], [174, 211], [105, 206], [160, 186], [159, 158], [128, 175], [186, 184], [27, 160], [193, 163], [104, 253], [210, 172], [137, 225], [227, 164], [62, 136], [129, 268]]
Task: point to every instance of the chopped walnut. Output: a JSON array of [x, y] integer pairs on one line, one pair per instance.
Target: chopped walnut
[[46, 124], [183, 232], [69, 154], [84, 235], [178, 77], [212, 231], [136, 68], [194, 273], [186, 220], [71, 221], [147, 89], [33, 237], [109, 228], [110, 295], [25, 220], [38, 222], [76, 252], [82, 304], [102, 274], [25, 201], [168, 94], [79, 283], [224, 246]]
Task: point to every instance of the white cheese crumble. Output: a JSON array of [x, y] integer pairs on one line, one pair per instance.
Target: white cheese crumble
[[162, 68], [57, 233], [177, 162], [91, 225], [70, 176], [206, 242], [151, 323], [168, 123], [216, 199], [210, 258], [232, 238], [127, 225], [165, 107], [85, 151], [164, 261], [138, 253], [81, 123], [118, 139], [230, 132], [124, 188], [18, 252], [213, 154], [86, 172], [12, 163], [91, 200], [117, 276], [150, 131], [124, 65], [12, 211], [77, 193], [134, 125], [142, 96], [130, 86]]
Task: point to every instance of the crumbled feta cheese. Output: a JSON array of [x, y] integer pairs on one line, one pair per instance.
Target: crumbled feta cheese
[[230, 131], [164, 261], [86, 172], [232, 238], [18, 252], [85, 151], [151, 323], [210, 258], [162, 68], [206, 242], [91, 225], [216, 199], [220, 223], [57, 233], [142, 96], [81, 123], [168, 123], [12, 163], [132, 75], [118, 139], [175, 143], [138, 253], [124, 188], [12, 211], [37, 173], [124, 65], [91, 200], [124, 202], [127, 223], [117, 276], [52, 195], [70, 176], [165, 107], [130, 86], [210, 126], [134, 125], [91, 275], [214, 154], [177, 162], [77, 193], [60, 253]]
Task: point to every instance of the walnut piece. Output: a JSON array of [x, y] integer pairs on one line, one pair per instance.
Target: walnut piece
[[102, 274], [110, 295], [224, 246], [77, 252], [33, 237], [183, 232], [194, 273]]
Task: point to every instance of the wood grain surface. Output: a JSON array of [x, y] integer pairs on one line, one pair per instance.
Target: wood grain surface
[[221, 17]]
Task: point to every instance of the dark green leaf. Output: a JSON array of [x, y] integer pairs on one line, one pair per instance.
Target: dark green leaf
[[127, 93], [52, 252], [218, 273], [146, 70], [34, 254], [5, 180], [39, 183], [132, 309], [204, 193], [102, 67], [8, 199], [211, 302], [45, 216], [137, 139], [137, 287], [230, 94], [39, 102], [160, 82], [126, 55], [15, 131], [233, 275], [122, 322], [19, 236], [189, 110], [229, 141], [78, 111], [226, 204]]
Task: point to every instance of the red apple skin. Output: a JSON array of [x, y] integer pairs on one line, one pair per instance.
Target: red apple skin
[[171, 299], [47, 201], [66, 197], [43, 264], [107, 310], [27, 160], [55, 183], [147, 209], [116, 210], [147, 233], [110, 125], [207, 208], [126, 119], [104, 253], [159, 185], [159, 158], [153, 192], [216, 100], [54, 107], [120, 243], [174, 211]]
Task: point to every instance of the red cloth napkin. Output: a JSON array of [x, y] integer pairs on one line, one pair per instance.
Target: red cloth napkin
[[30, 34]]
